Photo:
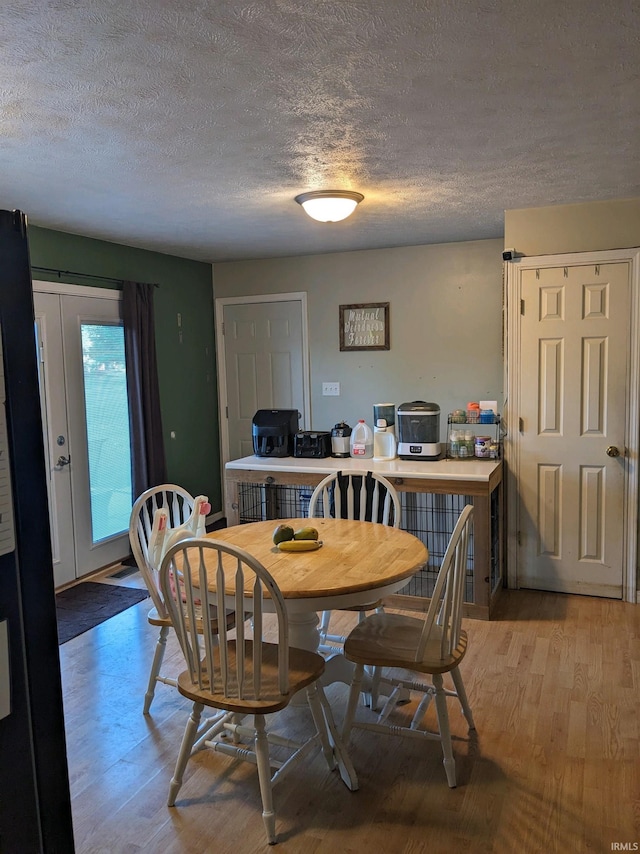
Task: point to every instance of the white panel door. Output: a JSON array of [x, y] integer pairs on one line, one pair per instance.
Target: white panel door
[[263, 365], [86, 431], [573, 374], [53, 404]]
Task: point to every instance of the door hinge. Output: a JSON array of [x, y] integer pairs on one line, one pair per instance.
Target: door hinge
[[521, 425], [519, 536], [42, 353], [226, 411], [521, 306], [222, 325]]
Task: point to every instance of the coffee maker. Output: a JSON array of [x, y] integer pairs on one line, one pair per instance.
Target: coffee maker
[[418, 430], [340, 439]]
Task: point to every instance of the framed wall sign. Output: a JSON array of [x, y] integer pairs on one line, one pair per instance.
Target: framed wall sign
[[364, 326]]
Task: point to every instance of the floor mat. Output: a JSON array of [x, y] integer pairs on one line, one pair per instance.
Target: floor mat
[[88, 604]]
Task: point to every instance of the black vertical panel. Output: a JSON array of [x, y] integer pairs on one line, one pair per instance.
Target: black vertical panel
[[35, 806]]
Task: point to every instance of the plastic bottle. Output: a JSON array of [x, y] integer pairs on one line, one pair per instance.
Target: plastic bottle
[[361, 442], [454, 447], [469, 440]]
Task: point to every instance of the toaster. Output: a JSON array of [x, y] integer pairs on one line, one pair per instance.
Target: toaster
[[312, 443]]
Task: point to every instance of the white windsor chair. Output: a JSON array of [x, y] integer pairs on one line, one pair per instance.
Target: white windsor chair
[[244, 675], [434, 645], [160, 517], [362, 495]]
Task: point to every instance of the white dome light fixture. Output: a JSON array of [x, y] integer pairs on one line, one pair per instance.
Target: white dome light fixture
[[329, 205]]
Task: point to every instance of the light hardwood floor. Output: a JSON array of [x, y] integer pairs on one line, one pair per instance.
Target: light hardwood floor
[[554, 765]]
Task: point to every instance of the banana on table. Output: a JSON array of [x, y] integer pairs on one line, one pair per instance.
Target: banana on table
[[299, 545]]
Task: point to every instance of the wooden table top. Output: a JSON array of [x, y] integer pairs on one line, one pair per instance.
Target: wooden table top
[[355, 556]]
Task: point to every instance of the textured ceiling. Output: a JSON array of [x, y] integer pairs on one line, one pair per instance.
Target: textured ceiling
[[188, 127]]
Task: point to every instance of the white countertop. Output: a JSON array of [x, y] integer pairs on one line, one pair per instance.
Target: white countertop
[[478, 470]]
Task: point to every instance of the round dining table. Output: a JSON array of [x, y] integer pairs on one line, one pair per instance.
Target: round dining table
[[358, 563]]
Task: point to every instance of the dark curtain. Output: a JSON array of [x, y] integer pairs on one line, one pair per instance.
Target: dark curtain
[[148, 463]]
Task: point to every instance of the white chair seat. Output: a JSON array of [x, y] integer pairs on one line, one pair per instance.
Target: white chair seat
[[391, 640]]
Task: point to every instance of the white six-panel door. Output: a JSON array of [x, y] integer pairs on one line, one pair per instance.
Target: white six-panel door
[[264, 358], [573, 379]]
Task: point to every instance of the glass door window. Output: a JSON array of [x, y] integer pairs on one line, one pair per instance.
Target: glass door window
[[107, 425]]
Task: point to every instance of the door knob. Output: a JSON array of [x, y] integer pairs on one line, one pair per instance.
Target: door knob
[[65, 461], [612, 451]]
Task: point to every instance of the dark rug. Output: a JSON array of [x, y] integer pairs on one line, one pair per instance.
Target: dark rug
[[86, 605]]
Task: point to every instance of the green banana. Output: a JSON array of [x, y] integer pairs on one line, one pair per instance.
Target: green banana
[[299, 545]]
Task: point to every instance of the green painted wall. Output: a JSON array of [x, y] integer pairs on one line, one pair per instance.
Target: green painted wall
[[186, 362]]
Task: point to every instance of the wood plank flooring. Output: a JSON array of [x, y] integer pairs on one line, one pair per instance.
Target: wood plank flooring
[[554, 765]]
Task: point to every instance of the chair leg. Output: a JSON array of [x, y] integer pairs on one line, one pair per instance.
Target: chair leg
[[264, 777], [320, 721], [376, 676], [352, 704], [188, 739], [462, 696], [323, 627], [161, 645], [375, 673], [445, 732], [345, 765]]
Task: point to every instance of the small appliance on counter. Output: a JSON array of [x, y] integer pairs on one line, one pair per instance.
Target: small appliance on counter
[[273, 431], [418, 430], [312, 443], [340, 440], [384, 436]]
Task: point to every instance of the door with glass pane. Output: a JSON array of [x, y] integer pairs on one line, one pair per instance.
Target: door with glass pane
[[86, 425]]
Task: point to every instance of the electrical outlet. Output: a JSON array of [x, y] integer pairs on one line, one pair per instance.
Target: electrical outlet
[[331, 389]]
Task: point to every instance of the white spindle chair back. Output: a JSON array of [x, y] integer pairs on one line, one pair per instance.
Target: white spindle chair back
[[384, 498], [445, 609], [179, 505], [241, 583]]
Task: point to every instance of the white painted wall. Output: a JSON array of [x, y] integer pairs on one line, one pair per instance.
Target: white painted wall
[[587, 227], [446, 323]]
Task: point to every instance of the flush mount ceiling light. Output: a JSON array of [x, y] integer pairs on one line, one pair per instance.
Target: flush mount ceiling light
[[329, 205]]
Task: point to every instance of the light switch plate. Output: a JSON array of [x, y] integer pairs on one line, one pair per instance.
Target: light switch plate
[[331, 389]]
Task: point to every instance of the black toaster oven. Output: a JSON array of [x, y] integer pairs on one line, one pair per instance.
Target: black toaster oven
[[312, 443]]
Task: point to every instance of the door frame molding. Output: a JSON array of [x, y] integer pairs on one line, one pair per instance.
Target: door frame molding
[[220, 303], [512, 444]]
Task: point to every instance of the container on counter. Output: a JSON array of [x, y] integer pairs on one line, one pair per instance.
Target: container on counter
[[340, 440], [465, 443], [361, 442], [473, 412], [483, 447]]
